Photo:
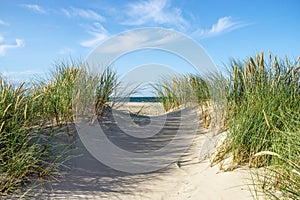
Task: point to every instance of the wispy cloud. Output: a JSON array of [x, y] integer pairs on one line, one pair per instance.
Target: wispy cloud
[[224, 24], [141, 38], [3, 23], [21, 73], [66, 51], [35, 8], [17, 77], [83, 13], [99, 34], [4, 47], [154, 12]]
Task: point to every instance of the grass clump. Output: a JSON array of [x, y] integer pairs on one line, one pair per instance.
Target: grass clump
[[258, 103], [31, 113], [19, 154], [57, 92], [105, 87], [263, 116], [182, 90], [187, 90], [263, 99]]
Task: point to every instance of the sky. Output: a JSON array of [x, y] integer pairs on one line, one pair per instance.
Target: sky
[[34, 35]]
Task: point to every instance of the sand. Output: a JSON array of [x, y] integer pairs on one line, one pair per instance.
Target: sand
[[142, 108], [87, 178]]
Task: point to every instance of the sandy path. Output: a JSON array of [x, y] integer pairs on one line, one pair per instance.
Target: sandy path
[[87, 178]]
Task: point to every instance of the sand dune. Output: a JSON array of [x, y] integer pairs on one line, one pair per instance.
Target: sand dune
[[87, 178]]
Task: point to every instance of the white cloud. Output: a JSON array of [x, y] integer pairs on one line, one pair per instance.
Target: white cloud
[[5, 47], [151, 38], [156, 12], [139, 39], [84, 13], [99, 34], [3, 23], [66, 51], [224, 24], [35, 8]]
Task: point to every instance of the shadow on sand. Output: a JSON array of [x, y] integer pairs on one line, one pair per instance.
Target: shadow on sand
[[84, 175]]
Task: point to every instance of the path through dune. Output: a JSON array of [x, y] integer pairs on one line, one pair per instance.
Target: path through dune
[[87, 178]]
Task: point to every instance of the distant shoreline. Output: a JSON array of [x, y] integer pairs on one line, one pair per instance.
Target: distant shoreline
[[135, 99]]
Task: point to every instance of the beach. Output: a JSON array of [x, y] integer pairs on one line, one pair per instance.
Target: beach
[[142, 108], [149, 99]]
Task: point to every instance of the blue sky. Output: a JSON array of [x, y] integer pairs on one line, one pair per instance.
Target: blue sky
[[35, 34]]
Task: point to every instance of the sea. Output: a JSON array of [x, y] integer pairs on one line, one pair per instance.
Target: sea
[[137, 99]]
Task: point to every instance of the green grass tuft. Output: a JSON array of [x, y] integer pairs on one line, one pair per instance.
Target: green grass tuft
[[29, 115]]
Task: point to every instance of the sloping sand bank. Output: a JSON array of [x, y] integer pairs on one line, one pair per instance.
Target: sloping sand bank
[[87, 178]]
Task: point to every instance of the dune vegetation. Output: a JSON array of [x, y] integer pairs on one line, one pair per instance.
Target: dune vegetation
[[31, 114], [260, 111]]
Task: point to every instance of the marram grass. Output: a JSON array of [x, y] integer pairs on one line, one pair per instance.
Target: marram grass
[[19, 156], [26, 111], [263, 116], [188, 90], [258, 103]]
